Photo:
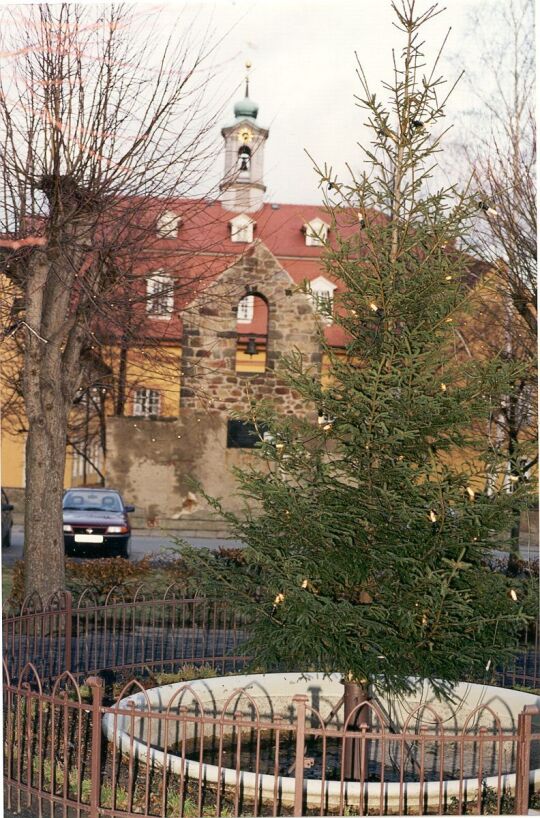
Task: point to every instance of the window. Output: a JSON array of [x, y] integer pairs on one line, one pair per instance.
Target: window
[[93, 458], [322, 296], [242, 228], [323, 300], [252, 334], [160, 295], [316, 233], [244, 435], [92, 501], [244, 313], [167, 225], [146, 403]]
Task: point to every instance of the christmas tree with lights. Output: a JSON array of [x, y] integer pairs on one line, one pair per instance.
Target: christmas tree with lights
[[369, 522]]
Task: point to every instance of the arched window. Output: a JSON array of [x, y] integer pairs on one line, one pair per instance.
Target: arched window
[[252, 334], [244, 160]]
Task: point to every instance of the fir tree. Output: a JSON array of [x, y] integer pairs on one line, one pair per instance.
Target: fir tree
[[367, 525]]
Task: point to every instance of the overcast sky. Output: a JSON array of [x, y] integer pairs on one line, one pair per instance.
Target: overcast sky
[[303, 73]]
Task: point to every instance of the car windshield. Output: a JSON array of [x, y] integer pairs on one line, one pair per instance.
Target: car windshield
[[92, 501]]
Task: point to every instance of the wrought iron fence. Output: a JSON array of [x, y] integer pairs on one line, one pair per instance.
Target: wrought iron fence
[[196, 756], [136, 633]]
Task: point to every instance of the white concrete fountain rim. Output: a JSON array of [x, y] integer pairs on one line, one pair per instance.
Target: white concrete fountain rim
[[287, 685]]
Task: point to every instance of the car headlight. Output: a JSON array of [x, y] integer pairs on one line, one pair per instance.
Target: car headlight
[[68, 529], [117, 529]]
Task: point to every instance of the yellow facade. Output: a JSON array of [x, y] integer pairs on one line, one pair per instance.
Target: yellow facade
[[157, 369]]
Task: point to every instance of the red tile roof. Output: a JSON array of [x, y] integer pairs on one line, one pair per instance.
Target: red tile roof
[[203, 249]]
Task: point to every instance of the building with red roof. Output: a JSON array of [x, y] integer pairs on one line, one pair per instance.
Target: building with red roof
[[230, 286]]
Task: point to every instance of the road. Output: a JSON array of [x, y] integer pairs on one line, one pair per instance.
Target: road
[[142, 544]]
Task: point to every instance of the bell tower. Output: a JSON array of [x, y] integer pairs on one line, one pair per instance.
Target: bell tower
[[242, 187]]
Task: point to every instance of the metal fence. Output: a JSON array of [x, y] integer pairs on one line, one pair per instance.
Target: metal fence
[[136, 633], [197, 756]]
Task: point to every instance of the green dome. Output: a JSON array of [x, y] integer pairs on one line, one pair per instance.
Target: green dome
[[246, 107]]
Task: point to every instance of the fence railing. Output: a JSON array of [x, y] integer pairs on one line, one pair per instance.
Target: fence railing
[[195, 755], [135, 633]]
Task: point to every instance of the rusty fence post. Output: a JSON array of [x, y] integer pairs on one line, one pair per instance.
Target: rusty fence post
[[300, 702], [96, 686], [68, 626], [523, 759]]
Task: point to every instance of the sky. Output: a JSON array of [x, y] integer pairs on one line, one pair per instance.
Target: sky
[[303, 76], [303, 73]]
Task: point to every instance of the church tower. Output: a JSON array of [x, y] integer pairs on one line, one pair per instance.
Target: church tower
[[242, 187]]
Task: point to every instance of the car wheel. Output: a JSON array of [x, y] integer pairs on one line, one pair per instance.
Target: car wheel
[[6, 539], [125, 550]]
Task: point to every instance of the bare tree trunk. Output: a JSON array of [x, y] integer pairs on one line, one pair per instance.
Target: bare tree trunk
[[44, 562], [51, 371], [47, 411]]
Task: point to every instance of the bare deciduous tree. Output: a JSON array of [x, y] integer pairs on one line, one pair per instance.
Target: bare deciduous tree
[[98, 118], [502, 157]]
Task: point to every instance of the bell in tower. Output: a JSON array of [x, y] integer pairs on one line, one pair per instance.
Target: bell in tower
[[244, 159], [242, 188]]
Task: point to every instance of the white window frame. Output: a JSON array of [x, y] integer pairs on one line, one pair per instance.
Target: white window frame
[[159, 295], [146, 402], [316, 233], [321, 291], [167, 225], [242, 229], [245, 310]]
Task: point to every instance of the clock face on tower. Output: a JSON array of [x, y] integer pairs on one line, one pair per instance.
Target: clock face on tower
[[245, 136]]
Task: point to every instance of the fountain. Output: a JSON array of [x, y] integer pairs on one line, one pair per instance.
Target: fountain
[[241, 731]]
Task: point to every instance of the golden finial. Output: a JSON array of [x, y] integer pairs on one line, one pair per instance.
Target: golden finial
[[248, 66]]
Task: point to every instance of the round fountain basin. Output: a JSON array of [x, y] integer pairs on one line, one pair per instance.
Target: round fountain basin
[[185, 726]]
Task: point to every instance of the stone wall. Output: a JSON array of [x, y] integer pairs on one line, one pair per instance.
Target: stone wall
[[152, 462], [209, 379]]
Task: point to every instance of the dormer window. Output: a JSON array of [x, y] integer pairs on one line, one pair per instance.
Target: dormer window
[[322, 295], [167, 225], [242, 229], [160, 295], [316, 232]]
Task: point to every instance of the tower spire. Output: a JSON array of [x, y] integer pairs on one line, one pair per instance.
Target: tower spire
[[248, 66]]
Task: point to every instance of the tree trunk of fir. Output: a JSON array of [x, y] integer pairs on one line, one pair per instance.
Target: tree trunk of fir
[[513, 557], [355, 751]]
